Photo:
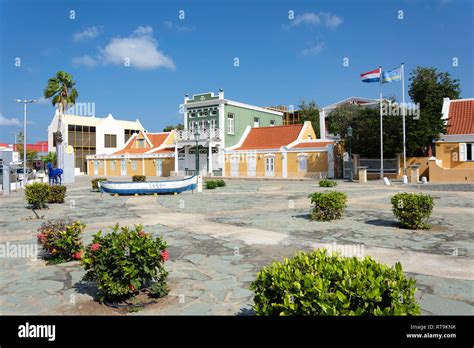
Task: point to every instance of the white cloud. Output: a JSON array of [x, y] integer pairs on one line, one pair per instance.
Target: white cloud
[[313, 50], [85, 60], [9, 121], [43, 101], [140, 49], [87, 34], [327, 19]]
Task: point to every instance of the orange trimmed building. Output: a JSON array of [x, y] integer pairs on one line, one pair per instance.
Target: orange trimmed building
[[454, 151], [290, 151], [149, 154]]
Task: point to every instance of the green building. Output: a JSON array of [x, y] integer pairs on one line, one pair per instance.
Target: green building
[[215, 123]]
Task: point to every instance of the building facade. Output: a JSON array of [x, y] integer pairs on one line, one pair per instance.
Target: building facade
[[90, 135], [454, 151], [149, 154], [211, 124], [290, 151]]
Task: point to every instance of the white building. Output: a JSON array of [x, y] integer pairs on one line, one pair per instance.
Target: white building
[[90, 135]]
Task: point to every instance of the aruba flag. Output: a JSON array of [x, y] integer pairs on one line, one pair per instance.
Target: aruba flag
[[392, 75], [371, 76]]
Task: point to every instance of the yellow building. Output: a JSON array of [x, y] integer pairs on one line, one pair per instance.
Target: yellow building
[[149, 154], [290, 151], [454, 151]]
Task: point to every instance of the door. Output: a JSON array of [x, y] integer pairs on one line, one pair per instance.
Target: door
[[159, 167], [251, 165], [270, 166], [96, 167], [123, 167], [235, 165]]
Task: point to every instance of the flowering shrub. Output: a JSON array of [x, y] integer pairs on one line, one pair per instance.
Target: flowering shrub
[[94, 183], [61, 239], [316, 283], [125, 261]]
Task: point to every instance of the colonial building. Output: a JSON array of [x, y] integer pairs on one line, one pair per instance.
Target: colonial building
[[289, 151], [211, 124], [149, 154], [90, 135], [454, 151]]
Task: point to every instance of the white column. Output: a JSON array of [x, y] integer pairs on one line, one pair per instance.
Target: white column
[[176, 159], [209, 156], [284, 156], [322, 123]]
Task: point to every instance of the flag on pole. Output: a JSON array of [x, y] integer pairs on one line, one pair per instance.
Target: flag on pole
[[371, 76], [392, 75]]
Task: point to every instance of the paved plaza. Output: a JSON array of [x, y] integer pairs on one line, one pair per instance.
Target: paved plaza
[[219, 239]]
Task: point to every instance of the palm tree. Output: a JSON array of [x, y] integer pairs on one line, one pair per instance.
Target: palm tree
[[61, 89]]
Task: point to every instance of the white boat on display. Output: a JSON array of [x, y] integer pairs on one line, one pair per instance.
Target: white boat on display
[[148, 187]]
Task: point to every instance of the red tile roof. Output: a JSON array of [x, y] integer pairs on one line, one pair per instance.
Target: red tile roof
[[271, 137], [309, 144], [156, 139], [461, 117]]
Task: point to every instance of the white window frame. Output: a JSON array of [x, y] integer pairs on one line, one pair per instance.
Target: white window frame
[[234, 165], [230, 123], [256, 122], [272, 123], [302, 162], [112, 165], [272, 161], [134, 166], [252, 165], [212, 123]]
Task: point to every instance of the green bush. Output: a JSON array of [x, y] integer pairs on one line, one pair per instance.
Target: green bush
[[126, 261], [94, 182], [320, 284], [220, 183], [211, 184], [412, 209], [62, 240], [37, 194], [57, 194], [139, 178], [327, 183], [328, 205]]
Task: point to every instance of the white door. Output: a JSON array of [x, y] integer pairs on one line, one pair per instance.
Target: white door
[[235, 165], [96, 167], [123, 167], [159, 167], [251, 166], [270, 166]]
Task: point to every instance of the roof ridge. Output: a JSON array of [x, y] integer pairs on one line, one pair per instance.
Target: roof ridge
[[283, 125]]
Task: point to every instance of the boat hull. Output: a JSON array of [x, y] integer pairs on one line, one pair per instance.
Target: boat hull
[[148, 188]]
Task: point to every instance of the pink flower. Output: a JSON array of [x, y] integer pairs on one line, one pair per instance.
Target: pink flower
[[131, 287], [40, 236], [142, 233], [95, 246], [165, 255], [77, 255]]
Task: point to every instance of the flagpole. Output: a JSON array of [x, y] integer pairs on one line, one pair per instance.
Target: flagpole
[[381, 125], [403, 116]]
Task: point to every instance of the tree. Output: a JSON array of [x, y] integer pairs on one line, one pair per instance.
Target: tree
[[179, 126], [427, 88], [50, 157], [310, 112], [30, 154]]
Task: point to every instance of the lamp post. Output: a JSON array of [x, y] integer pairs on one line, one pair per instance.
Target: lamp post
[[196, 137], [15, 137], [349, 134], [24, 102]]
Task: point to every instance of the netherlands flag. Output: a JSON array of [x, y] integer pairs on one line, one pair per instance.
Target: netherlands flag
[[371, 76]]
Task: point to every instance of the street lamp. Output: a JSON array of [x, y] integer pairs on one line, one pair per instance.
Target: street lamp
[[349, 134], [15, 135], [197, 135], [24, 102]]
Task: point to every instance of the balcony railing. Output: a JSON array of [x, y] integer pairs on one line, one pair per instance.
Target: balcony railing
[[204, 134]]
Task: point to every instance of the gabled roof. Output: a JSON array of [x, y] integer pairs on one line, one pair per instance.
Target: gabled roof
[[272, 137], [156, 141], [460, 117]]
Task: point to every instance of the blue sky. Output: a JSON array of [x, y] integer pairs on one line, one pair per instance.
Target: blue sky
[[281, 60]]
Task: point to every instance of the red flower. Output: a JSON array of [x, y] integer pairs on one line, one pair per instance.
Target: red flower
[[165, 255], [95, 247], [132, 288], [142, 233], [40, 236], [77, 255]]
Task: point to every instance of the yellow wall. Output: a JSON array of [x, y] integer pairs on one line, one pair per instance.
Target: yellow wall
[[308, 131], [150, 167], [315, 164], [448, 153], [439, 174]]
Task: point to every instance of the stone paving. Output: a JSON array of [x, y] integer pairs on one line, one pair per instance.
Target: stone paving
[[219, 239]]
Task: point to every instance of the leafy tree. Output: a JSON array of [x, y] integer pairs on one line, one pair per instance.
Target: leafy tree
[[428, 87], [310, 112], [179, 126], [30, 155], [50, 157]]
